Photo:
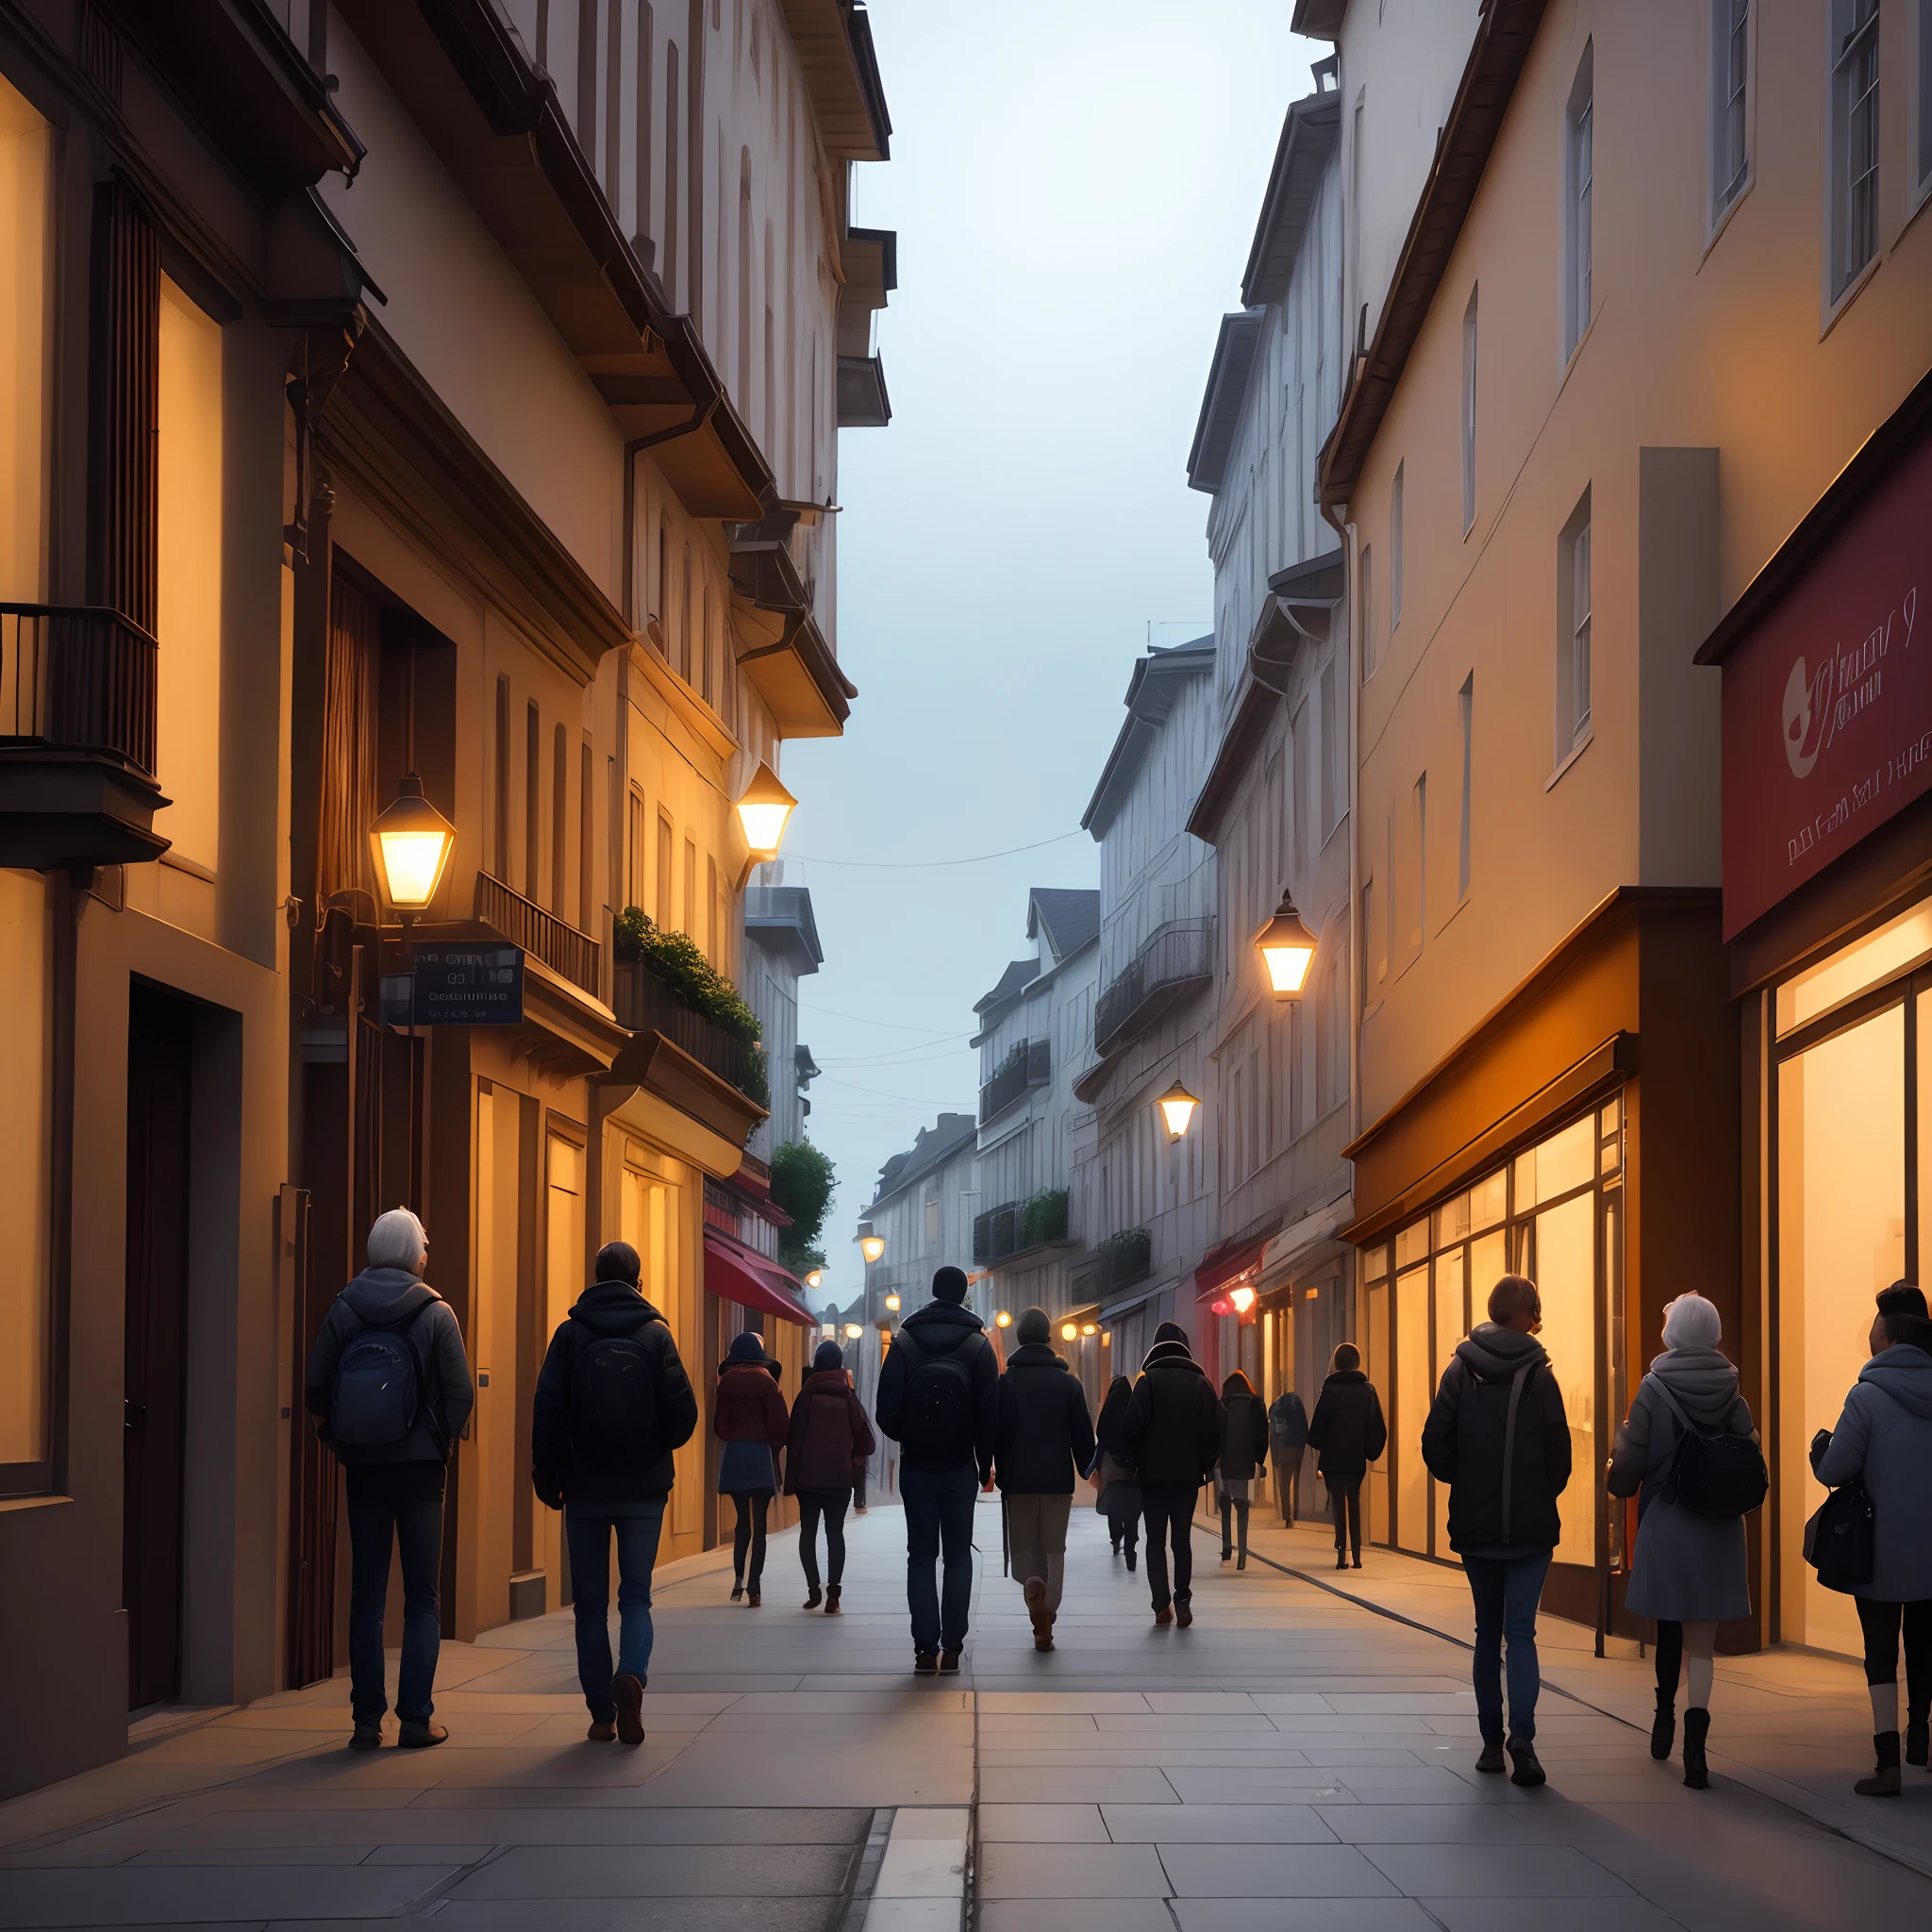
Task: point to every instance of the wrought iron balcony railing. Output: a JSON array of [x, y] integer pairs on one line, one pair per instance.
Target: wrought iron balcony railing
[[542, 935], [1028, 1064], [1124, 1258], [1016, 1226], [79, 678], [1176, 959], [645, 1003]]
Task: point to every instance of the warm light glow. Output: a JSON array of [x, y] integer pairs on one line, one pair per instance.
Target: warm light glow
[[1107, 1338], [1177, 1109], [892, 1303], [853, 1331], [1242, 1298], [763, 811], [1003, 1320], [1288, 950], [412, 842], [1068, 1331], [872, 1247], [816, 1279], [1089, 1328]]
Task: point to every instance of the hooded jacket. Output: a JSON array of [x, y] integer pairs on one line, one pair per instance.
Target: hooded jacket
[[1348, 1426], [1288, 1425], [748, 1407], [1884, 1438], [1044, 1436], [1705, 1384], [1243, 1433], [1172, 1429], [606, 1308], [395, 1299], [944, 1329], [828, 1437], [1504, 1473]]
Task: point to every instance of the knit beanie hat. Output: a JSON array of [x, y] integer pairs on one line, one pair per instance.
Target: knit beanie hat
[[1033, 1326], [1690, 1322], [828, 1355], [747, 1347], [949, 1285]]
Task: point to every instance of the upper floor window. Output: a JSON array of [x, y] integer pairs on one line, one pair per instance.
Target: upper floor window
[[1921, 118], [1576, 175], [1365, 583], [1396, 550], [1854, 184], [1469, 317], [1730, 76], [1572, 632], [25, 155]]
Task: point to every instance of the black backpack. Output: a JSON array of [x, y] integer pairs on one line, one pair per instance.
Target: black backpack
[[613, 1404], [378, 1390], [937, 1409], [1716, 1474]]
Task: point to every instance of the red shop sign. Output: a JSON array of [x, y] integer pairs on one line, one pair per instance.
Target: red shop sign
[[1827, 704]]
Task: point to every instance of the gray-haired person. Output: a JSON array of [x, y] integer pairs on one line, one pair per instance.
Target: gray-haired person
[[388, 1386]]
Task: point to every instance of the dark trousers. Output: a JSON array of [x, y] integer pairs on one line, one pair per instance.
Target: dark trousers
[[1123, 1528], [1670, 1655], [1240, 1509], [830, 1504], [939, 1517], [399, 1502], [1170, 1511], [1345, 1505], [1506, 1592], [1288, 1480], [748, 1537], [588, 1535], [1881, 1623]]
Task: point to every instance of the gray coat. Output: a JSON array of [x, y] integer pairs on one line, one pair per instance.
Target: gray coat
[[1885, 1437], [1685, 1568]]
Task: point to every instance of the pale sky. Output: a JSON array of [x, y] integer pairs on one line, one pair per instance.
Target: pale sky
[[1075, 184]]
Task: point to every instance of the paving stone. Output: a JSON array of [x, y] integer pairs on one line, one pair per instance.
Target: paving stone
[[1070, 1872], [1273, 1870]]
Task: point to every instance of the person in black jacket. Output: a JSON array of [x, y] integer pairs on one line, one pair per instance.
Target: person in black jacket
[[938, 1399], [603, 1425], [1044, 1440], [1348, 1429], [1244, 1455], [1288, 1436], [1113, 1472], [1498, 1437], [1173, 1434], [394, 1488]]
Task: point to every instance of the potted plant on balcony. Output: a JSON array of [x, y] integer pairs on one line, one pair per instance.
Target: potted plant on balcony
[[673, 962]]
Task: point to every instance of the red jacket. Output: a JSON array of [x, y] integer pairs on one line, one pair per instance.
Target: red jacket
[[830, 1436], [748, 1407]]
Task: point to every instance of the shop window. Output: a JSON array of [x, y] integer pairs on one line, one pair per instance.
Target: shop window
[[1451, 1323], [1414, 1390], [1866, 963], [26, 373], [26, 1306]]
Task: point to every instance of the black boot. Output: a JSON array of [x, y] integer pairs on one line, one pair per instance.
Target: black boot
[[1696, 1729], [1885, 1781], [1917, 1741], [1663, 1730]]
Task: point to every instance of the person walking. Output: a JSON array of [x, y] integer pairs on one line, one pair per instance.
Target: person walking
[[1112, 1473], [1172, 1435], [1884, 1440], [1349, 1431], [1043, 1439], [1689, 1570], [749, 1417], [612, 1401], [939, 1400], [1243, 1457], [388, 1386], [826, 1447], [1498, 1434], [1288, 1436]]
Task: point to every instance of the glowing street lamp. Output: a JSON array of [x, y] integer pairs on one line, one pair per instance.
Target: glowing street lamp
[[1242, 1298], [853, 1331], [871, 1245], [410, 841], [762, 809], [1288, 950], [1089, 1328], [816, 1279], [1069, 1331], [1002, 1319], [1177, 1109], [892, 1304]]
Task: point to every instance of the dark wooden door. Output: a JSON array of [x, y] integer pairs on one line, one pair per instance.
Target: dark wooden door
[[158, 1049]]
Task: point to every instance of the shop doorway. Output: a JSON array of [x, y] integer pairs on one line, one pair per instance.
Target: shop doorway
[[160, 1038]]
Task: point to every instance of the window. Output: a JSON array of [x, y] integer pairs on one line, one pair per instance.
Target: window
[[1921, 168], [25, 164], [1374, 963], [1576, 175], [1730, 74], [634, 887], [710, 683], [1469, 413], [1365, 580], [559, 818], [1335, 772], [1854, 184], [932, 1228], [711, 933], [1395, 551], [684, 619], [587, 842], [533, 798], [690, 889], [1572, 632], [1421, 863], [668, 272], [1465, 701], [667, 919], [502, 798], [26, 1328], [646, 40], [188, 494]]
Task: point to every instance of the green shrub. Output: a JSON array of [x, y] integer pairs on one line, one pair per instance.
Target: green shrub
[[802, 1182], [675, 958]]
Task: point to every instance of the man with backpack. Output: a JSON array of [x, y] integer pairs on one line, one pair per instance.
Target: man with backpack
[[939, 1400], [612, 1401], [1498, 1437], [389, 1387]]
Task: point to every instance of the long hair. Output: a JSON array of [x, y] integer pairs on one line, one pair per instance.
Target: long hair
[[1110, 1426]]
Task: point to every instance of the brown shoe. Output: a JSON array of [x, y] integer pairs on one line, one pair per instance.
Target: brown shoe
[[628, 1693], [1164, 1616], [831, 1600], [419, 1736], [1183, 1612], [1034, 1591], [601, 1733]]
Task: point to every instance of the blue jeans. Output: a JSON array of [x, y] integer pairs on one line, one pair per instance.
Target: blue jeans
[[1506, 1592], [939, 1511], [399, 1502], [589, 1536]]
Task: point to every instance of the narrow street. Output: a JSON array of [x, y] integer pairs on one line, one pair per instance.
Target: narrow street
[[1294, 1759]]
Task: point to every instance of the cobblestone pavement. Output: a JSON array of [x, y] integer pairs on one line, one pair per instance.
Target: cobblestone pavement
[[1295, 1759]]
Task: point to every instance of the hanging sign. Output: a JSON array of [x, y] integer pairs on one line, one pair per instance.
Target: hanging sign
[[457, 985]]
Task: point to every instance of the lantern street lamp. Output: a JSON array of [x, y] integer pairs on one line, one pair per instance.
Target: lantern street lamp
[[762, 810], [815, 1278], [853, 1331], [410, 842], [871, 1245], [1069, 1331], [1089, 1328], [1177, 1109], [1288, 950], [1003, 1319], [892, 1304]]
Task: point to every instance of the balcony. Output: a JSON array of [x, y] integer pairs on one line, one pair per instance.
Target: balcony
[[569, 954], [76, 739], [1126, 1258], [1028, 1065], [646, 1003], [1018, 1227], [1177, 960]]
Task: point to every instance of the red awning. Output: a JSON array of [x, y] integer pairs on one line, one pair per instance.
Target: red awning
[[741, 1274], [1219, 1266]]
